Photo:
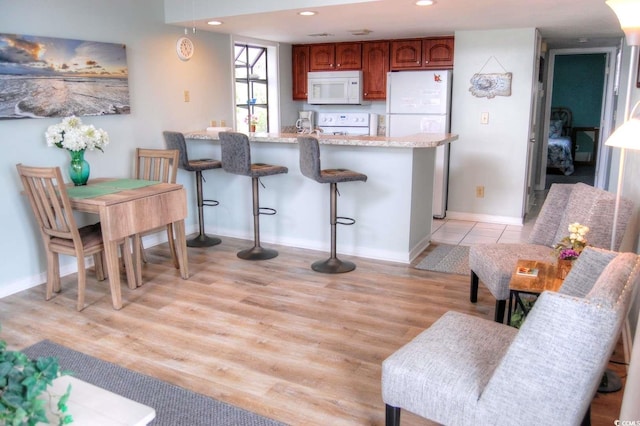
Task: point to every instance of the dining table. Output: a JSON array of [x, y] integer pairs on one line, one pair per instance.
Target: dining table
[[128, 207]]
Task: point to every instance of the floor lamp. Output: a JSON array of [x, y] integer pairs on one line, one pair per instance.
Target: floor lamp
[[626, 136]]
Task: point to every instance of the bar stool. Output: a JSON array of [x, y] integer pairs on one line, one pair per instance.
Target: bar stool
[[236, 159], [175, 140], [310, 167]]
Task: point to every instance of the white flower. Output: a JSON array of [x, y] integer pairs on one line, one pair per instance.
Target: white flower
[[71, 134]]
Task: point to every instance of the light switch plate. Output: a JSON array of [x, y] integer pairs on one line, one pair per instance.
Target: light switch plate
[[484, 118]]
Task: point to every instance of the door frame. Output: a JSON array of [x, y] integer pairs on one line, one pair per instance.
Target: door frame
[[606, 115]]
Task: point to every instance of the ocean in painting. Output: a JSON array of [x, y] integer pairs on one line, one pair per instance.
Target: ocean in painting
[[39, 97], [54, 77]]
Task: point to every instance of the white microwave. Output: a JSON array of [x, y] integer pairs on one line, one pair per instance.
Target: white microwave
[[334, 87]]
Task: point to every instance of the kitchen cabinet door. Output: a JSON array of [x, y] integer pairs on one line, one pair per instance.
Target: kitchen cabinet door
[[406, 54], [322, 57], [300, 68], [437, 53], [348, 56], [375, 65]]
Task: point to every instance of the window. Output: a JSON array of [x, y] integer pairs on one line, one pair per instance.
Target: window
[[252, 88]]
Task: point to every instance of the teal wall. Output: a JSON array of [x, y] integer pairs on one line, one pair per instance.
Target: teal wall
[[578, 84]]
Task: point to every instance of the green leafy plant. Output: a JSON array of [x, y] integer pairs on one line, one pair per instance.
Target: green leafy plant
[[23, 389], [518, 316]]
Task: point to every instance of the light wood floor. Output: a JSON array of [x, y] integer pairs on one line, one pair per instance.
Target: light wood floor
[[273, 337]]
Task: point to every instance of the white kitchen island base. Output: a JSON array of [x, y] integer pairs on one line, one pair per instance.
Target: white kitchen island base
[[392, 209]]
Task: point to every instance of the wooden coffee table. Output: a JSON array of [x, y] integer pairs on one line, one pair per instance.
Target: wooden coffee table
[[545, 280]]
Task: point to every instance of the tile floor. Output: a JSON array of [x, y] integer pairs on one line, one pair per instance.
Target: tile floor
[[468, 233]]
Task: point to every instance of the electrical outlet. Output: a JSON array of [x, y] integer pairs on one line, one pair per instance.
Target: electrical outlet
[[223, 123], [187, 98], [214, 123], [484, 118], [479, 191]]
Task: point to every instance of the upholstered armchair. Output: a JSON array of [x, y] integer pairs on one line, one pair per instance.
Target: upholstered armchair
[[464, 370], [493, 264]]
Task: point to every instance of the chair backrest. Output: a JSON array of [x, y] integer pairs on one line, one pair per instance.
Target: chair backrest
[[554, 365], [175, 140], [50, 203], [157, 164], [235, 153], [582, 203], [310, 157]]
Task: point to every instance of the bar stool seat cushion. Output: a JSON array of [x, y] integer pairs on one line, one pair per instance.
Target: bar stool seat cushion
[[262, 169], [310, 165], [175, 140], [203, 164], [236, 157], [340, 175]]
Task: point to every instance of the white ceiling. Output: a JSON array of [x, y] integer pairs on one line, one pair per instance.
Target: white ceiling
[[561, 22]]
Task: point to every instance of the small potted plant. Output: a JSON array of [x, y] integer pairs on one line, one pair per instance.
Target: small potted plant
[[252, 121], [24, 399], [570, 247]]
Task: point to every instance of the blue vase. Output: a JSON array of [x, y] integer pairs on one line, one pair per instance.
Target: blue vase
[[78, 168]]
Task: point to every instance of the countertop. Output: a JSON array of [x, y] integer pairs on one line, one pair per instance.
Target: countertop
[[418, 140]]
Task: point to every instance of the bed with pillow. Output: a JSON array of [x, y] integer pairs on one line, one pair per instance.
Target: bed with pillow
[[560, 147]]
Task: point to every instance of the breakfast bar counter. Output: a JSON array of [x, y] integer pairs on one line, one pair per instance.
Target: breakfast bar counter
[[393, 208]]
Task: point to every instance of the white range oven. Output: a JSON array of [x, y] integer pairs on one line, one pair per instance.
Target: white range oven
[[339, 123]]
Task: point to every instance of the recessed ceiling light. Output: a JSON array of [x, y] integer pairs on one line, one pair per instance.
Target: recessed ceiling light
[[583, 40], [424, 2], [307, 13], [214, 23]]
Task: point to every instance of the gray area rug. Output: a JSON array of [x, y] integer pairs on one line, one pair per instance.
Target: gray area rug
[[175, 406], [447, 258]]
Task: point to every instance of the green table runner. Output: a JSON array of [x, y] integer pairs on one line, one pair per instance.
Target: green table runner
[[107, 187]]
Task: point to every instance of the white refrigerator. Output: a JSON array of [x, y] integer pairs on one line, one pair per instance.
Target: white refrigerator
[[420, 101]]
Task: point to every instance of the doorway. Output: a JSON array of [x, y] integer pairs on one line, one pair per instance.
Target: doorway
[[580, 85]]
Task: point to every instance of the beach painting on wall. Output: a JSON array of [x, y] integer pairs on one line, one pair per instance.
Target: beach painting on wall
[[44, 77]]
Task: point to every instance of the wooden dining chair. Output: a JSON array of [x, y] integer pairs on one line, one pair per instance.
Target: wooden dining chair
[[157, 165], [51, 206]]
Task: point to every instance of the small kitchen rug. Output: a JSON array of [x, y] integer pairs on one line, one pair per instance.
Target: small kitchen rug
[[447, 258]]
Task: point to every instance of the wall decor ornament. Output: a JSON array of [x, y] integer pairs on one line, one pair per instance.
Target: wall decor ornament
[[490, 85], [42, 77]]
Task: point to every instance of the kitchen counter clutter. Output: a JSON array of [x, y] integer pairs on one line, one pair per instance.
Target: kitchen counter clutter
[[393, 211], [419, 140]]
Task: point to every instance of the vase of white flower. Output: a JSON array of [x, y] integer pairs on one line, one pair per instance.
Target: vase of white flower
[[76, 138], [78, 168]]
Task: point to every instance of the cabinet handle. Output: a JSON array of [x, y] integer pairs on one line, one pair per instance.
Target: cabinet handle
[[338, 65], [418, 62], [426, 62]]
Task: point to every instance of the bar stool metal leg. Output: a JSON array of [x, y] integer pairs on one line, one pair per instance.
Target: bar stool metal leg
[[333, 265], [202, 239], [257, 252]]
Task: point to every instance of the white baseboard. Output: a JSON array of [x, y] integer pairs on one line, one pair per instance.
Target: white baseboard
[[474, 217]]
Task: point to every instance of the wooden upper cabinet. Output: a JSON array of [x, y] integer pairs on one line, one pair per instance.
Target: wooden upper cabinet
[[348, 56], [300, 68], [322, 57], [437, 53], [406, 54], [375, 65], [335, 56], [425, 53]]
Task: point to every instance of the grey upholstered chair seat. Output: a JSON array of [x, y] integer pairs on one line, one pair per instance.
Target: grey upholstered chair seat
[[464, 370], [493, 264]]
